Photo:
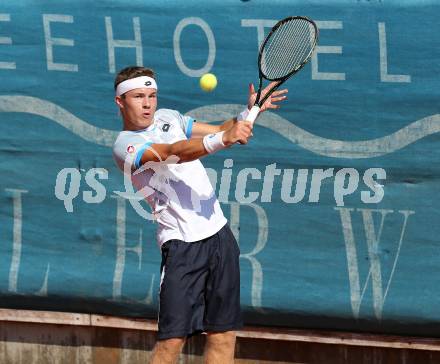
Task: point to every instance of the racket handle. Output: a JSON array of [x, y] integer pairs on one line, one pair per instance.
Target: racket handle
[[253, 113]]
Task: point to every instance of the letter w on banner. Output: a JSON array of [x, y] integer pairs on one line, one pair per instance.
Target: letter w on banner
[[373, 239]]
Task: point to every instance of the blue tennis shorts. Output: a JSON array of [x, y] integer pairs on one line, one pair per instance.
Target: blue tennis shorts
[[200, 286]]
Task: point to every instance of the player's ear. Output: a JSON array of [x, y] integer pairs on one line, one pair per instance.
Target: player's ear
[[118, 101]]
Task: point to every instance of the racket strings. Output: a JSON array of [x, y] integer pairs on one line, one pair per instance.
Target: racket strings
[[291, 39], [283, 43], [287, 49], [272, 51], [280, 40], [290, 45]]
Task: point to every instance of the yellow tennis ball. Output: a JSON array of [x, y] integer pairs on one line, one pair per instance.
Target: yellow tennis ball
[[208, 82]]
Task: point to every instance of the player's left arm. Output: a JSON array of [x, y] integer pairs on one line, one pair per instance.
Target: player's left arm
[[200, 129]]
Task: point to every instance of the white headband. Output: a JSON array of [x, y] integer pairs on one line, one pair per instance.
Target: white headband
[[132, 83]]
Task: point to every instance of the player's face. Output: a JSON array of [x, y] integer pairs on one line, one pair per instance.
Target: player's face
[[138, 107]]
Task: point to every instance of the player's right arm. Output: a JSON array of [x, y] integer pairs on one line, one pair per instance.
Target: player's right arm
[[192, 149]]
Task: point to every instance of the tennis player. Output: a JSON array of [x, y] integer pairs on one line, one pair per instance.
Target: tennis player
[[200, 276]]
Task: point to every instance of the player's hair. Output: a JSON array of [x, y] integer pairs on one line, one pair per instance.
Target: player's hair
[[133, 72]]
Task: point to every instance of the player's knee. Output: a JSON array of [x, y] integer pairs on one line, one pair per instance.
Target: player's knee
[[222, 338], [172, 345], [169, 347], [167, 351]]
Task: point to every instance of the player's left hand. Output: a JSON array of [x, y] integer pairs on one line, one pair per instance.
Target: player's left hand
[[271, 102]]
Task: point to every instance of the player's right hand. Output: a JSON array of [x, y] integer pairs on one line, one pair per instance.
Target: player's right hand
[[239, 133]]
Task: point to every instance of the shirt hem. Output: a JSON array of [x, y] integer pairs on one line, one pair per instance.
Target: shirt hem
[[192, 238]]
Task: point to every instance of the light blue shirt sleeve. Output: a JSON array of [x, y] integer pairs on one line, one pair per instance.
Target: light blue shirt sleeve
[[189, 126], [186, 122], [128, 150]]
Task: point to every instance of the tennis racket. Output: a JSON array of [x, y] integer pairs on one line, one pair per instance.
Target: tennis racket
[[284, 51]]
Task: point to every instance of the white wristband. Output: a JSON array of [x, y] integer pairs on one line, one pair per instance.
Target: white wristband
[[243, 115], [214, 142]]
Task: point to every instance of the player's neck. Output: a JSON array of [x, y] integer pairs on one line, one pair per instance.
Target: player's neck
[[134, 127]]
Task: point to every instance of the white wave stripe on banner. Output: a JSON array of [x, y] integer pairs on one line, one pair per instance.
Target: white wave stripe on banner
[[328, 147], [316, 144], [51, 111]]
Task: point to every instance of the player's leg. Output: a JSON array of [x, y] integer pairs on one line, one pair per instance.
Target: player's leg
[[184, 269], [167, 351], [223, 314], [172, 321], [220, 347]]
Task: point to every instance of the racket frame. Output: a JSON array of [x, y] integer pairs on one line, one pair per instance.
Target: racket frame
[[258, 103]]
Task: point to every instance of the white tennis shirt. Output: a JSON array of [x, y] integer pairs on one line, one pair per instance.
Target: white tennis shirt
[[180, 194]]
